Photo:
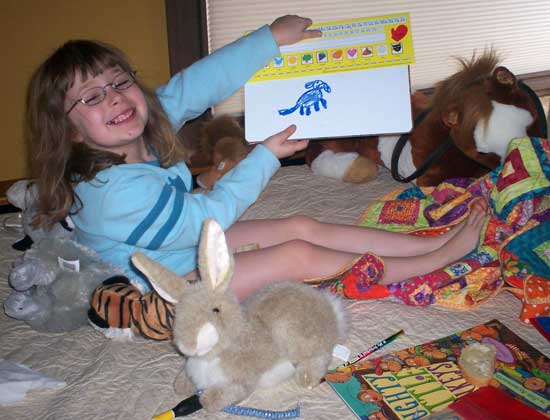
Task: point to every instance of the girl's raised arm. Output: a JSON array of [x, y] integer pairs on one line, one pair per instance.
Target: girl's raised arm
[[216, 77]]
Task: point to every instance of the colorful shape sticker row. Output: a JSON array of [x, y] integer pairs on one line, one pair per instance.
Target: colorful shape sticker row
[[350, 53]]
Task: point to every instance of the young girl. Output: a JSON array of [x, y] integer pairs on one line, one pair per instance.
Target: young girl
[[104, 151]]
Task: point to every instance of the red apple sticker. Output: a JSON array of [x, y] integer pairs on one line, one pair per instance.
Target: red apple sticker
[[399, 33]]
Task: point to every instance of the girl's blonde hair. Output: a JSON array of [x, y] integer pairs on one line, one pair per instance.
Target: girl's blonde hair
[[59, 163]]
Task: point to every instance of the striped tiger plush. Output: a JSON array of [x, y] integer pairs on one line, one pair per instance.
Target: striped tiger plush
[[119, 304]]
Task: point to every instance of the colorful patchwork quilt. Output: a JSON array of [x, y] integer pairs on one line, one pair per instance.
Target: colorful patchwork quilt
[[514, 249]]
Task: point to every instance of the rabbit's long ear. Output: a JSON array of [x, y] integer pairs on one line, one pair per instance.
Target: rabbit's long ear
[[166, 283], [215, 260]]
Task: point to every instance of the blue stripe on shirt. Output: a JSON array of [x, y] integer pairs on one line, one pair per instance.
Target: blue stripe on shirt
[[178, 184], [146, 223], [170, 223]]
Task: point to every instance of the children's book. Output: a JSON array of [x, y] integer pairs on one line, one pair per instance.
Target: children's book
[[352, 81], [415, 382]]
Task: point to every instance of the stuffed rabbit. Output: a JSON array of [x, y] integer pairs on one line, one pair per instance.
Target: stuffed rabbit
[[286, 329]]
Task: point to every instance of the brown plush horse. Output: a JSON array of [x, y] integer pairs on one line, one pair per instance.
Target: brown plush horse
[[468, 122]]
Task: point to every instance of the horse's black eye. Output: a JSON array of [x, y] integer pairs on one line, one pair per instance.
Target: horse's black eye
[[216, 310]]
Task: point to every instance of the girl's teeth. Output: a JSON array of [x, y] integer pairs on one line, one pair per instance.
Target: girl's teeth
[[120, 118]]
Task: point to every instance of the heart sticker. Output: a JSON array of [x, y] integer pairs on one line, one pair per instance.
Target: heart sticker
[[399, 33], [352, 52]]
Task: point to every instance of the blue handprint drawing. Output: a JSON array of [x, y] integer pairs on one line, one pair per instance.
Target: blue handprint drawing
[[310, 98]]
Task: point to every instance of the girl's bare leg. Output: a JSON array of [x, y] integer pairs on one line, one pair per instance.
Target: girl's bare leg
[[294, 260], [347, 238], [299, 259]]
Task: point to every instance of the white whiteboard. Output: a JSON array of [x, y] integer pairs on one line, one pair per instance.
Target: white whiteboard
[[361, 102]]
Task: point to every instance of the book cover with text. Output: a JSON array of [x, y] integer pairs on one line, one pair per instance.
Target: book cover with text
[[417, 381]]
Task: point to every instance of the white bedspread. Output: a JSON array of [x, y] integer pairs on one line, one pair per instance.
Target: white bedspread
[[133, 380]]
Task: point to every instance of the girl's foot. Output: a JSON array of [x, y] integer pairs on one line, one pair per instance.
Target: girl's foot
[[467, 238], [439, 241], [463, 241]]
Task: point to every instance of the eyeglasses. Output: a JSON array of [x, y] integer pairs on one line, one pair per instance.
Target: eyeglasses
[[96, 95]]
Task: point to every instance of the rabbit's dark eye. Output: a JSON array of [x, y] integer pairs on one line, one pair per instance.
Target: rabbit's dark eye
[[216, 310]]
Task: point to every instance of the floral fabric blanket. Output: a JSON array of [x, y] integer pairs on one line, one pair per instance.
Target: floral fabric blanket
[[514, 248]]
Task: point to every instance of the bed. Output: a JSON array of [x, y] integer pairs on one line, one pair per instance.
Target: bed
[[110, 379]]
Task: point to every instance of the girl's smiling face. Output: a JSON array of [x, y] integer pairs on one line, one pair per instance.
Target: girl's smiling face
[[115, 124]]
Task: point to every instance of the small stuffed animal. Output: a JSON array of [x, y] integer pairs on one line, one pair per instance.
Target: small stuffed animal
[[340, 159], [53, 282], [118, 309], [23, 194], [222, 139], [286, 329]]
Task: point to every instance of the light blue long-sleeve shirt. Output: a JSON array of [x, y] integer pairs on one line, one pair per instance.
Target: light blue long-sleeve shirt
[[141, 206]]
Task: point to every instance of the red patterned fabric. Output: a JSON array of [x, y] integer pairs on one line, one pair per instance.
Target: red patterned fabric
[[365, 273]]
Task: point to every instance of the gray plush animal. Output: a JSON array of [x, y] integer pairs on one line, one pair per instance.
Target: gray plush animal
[[49, 293], [23, 194], [286, 329]]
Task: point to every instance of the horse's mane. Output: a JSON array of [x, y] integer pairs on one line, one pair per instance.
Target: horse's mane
[[474, 72]]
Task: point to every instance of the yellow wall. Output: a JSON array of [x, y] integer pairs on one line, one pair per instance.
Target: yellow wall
[[31, 29]]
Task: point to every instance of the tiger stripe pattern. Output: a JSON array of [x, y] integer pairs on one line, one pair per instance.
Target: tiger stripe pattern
[[119, 304]]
